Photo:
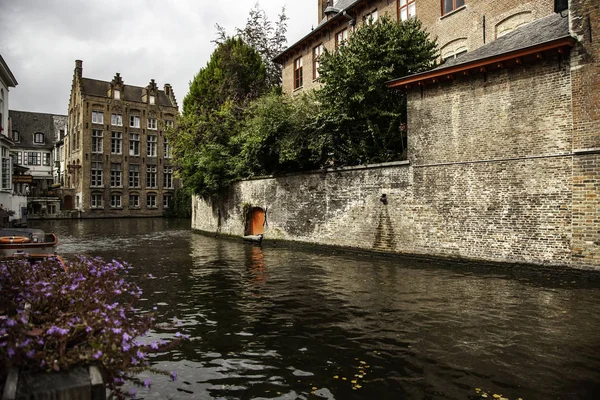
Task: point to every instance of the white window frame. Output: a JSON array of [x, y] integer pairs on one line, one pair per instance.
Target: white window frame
[[96, 200], [96, 174], [151, 200], [116, 175], [116, 142], [97, 140], [97, 117], [117, 94], [115, 201], [134, 121], [151, 145], [168, 178], [152, 100], [152, 124], [135, 199], [134, 176], [116, 119]]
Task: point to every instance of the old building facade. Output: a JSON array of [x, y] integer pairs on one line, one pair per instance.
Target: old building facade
[[458, 25], [116, 155], [503, 153]]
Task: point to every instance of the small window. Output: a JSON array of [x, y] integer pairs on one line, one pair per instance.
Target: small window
[[317, 53], [117, 94], [115, 201], [16, 136], [96, 200], [96, 141], [46, 161], [371, 17], [38, 137], [408, 9], [166, 201], [340, 38], [298, 73], [151, 146], [134, 201], [151, 200], [115, 175], [450, 5], [116, 119], [152, 100], [152, 124], [134, 121], [169, 123], [97, 117]]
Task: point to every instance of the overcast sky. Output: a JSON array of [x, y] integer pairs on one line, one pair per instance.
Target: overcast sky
[[168, 40]]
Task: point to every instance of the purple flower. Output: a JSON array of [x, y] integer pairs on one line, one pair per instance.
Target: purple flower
[[88, 329], [147, 383], [132, 393], [117, 330], [10, 322], [140, 355], [178, 334], [30, 353], [134, 361], [11, 352], [43, 363], [97, 354], [154, 345], [173, 376], [126, 346]]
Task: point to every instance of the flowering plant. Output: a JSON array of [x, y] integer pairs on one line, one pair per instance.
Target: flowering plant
[[52, 320]]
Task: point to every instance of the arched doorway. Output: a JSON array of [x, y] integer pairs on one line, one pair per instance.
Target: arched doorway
[[257, 221]]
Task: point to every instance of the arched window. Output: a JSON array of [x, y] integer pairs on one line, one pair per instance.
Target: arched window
[[38, 137]]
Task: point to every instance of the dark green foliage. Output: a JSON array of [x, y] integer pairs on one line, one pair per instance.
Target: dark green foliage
[[365, 121], [181, 205]]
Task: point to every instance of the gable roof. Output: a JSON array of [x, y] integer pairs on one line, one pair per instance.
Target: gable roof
[[6, 74], [341, 5], [98, 88], [543, 34], [28, 123]]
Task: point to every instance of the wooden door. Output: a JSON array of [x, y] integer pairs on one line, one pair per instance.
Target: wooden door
[[68, 203], [257, 221]]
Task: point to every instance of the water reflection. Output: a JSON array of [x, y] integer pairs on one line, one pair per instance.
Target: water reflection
[[273, 322]]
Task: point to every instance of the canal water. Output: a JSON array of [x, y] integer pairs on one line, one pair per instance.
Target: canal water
[[284, 323]]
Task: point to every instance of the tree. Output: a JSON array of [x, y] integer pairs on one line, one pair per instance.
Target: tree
[[364, 120], [267, 38], [212, 113]]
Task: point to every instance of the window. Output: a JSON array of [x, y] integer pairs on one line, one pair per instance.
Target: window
[[46, 161], [38, 137], [317, 52], [115, 175], [134, 121], [96, 141], [450, 5], [96, 200], [166, 201], [6, 170], [371, 17], [151, 176], [340, 38], [115, 142], [169, 123], [298, 73], [134, 175], [134, 201], [97, 117], [151, 200], [151, 146], [407, 9], [96, 174], [152, 123], [33, 158], [134, 144], [19, 158], [16, 136], [115, 201], [167, 148], [152, 100], [116, 119], [453, 53], [117, 94], [168, 178]]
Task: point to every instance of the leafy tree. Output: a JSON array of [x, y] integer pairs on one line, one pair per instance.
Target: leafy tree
[[212, 113], [266, 37], [364, 120], [278, 135]]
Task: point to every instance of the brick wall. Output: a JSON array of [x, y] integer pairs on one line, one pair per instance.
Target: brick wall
[[585, 65]]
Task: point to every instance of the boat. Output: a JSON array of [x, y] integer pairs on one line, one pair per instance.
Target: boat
[[32, 244]]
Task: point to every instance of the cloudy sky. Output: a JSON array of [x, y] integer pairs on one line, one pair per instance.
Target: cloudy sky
[[168, 40]]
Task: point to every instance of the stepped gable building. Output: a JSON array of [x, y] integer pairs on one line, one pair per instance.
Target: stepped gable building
[[117, 156]]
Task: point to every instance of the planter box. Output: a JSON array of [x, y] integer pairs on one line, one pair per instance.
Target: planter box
[[81, 383]]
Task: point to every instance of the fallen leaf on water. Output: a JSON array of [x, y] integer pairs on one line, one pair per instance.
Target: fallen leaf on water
[[358, 386], [360, 376], [477, 390], [484, 395], [362, 362], [335, 377], [354, 381], [344, 378], [314, 388], [497, 396]]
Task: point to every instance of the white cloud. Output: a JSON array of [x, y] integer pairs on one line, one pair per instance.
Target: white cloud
[[168, 41]]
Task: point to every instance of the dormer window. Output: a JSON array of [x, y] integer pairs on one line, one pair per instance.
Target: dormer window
[[152, 100], [16, 136], [38, 137], [117, 94]]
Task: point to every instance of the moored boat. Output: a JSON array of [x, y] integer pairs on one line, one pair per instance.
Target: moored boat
[[27, 241]]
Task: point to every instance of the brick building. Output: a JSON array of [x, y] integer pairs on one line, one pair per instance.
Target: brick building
[[503, 146], [117, 157]]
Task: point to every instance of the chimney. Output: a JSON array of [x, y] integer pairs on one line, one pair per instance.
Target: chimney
[[321, 10], [78, 68]]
